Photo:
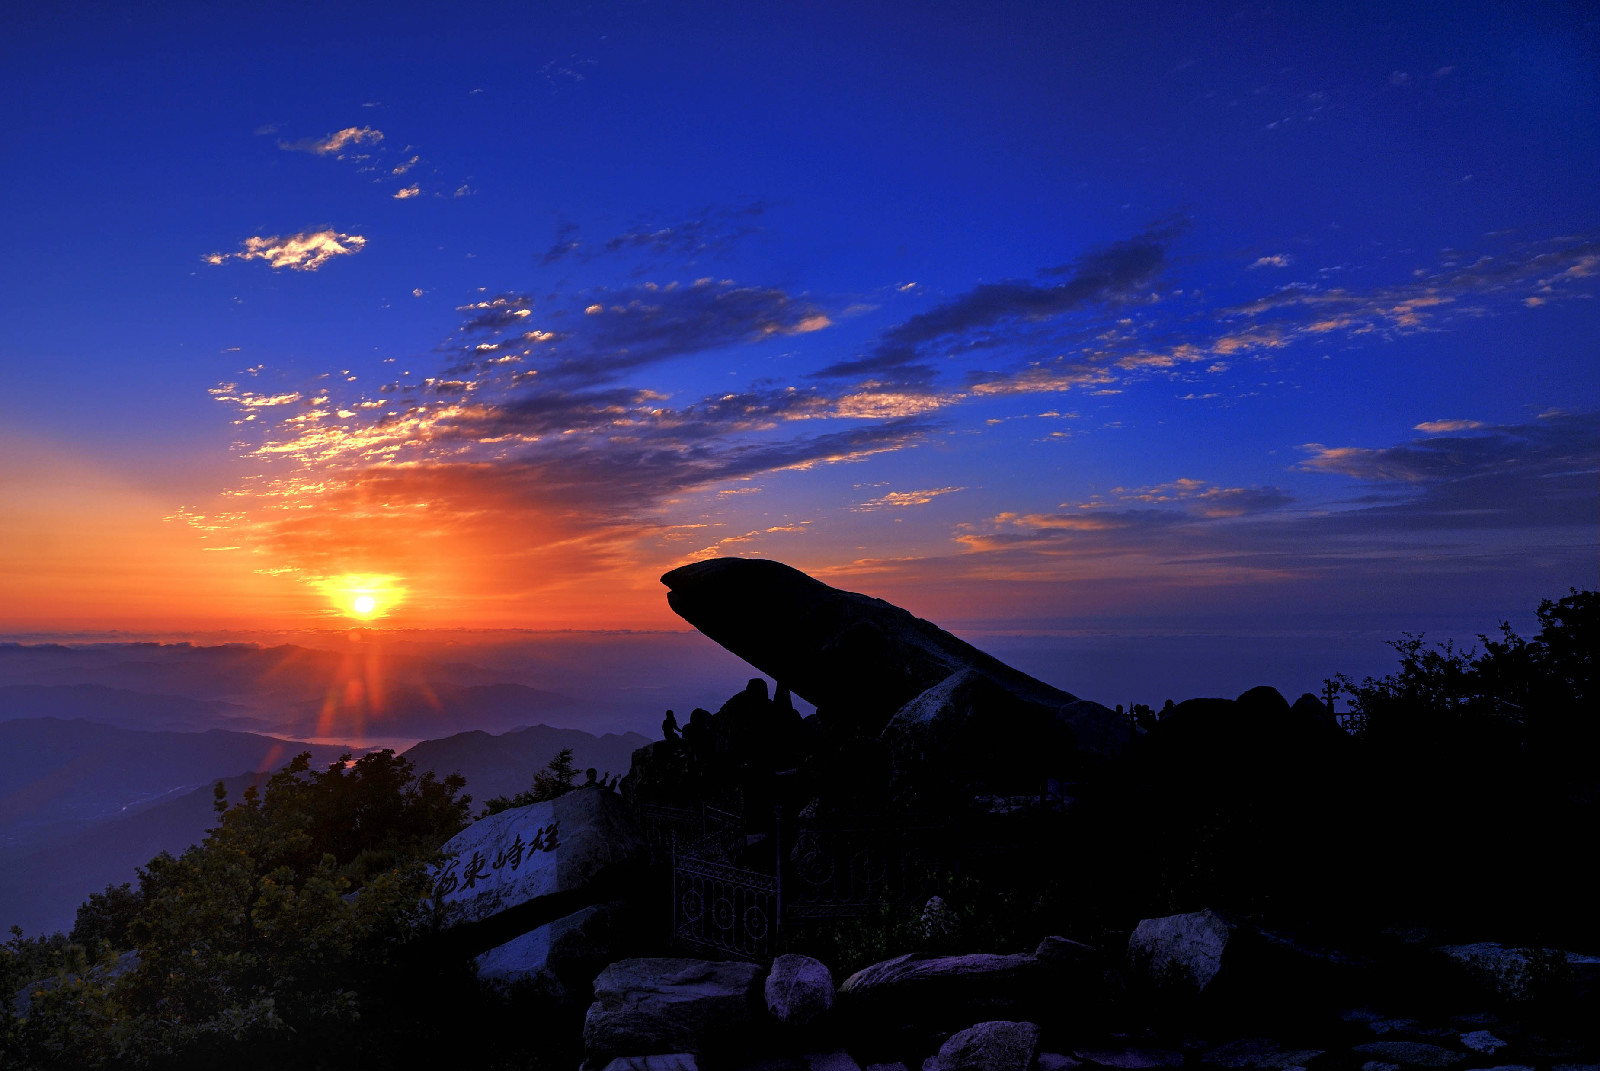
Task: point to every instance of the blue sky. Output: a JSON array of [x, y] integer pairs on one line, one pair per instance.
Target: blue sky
[[1022, 315]]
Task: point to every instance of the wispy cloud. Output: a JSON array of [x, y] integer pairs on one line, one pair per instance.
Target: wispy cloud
[[1435, 427], [407, 192], [300, 252], [1418, 502], [1115, 273], [1172, 340], [902, 499], [599, 334], [547, 438], [335, 143], [712, 231]]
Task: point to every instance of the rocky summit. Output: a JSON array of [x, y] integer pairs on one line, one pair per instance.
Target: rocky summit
[[862, 659]]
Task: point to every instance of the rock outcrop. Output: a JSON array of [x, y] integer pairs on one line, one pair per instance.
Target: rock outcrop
[[1183, 952], [1523, 975], [916, 990], [515, 871], [997, 1045], [562, 957], [652, 1006], [855, 657]]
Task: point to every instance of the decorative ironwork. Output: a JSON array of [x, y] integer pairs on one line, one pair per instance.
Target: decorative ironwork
[[723, 908], [848, 870], [665, 825]]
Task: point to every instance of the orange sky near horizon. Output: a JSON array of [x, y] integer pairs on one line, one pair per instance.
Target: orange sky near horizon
[[81, 548]]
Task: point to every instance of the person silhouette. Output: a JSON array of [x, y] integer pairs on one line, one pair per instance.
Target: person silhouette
[[669, 727]]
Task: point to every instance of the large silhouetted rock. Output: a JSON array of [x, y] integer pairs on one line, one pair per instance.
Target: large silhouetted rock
[[855, 656]]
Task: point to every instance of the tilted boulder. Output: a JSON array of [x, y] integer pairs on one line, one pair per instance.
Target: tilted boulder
[[662, 1005], [517, 870], [852, 655]]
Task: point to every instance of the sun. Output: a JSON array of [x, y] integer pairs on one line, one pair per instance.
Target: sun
[[363, 595]]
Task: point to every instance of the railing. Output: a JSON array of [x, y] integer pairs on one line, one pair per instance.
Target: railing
[[847, 870], [723, 908]]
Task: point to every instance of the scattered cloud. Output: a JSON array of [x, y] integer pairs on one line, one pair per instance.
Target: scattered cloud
[[1466, 506], [335, 143], [712, 232], [547, 433], [602, 333], [407, 192], [1277, 260], [902, 499], [1434, 427], [300, 252]]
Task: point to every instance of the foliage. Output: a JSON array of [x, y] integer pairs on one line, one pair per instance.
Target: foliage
[[552, 781], [1526, 695], [104, 918], [282, 926]]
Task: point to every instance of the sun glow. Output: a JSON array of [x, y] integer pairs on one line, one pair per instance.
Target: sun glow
[[363, 595]]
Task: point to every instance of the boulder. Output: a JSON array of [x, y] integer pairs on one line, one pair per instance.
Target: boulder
[[1521, 975], [514, 871], [850, 654], [1482, 1041], [1311, 708], [675, 1061], [921, 990], [1410, 1053], [560, 956], [1263, 1054], [799, 990], [1056, 1061], [1131, 1058], [670, 1005], [1202, 953], [997, 1045], [969, 730], [1181, 952], [837, 1060]]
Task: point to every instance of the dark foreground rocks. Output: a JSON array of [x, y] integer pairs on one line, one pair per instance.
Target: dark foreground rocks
[[920, 991], [1041, 1011], [646, 1007]]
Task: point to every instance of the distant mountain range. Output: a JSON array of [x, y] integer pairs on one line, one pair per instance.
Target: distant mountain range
[[109, 751], [360, 693], [504, 765]]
